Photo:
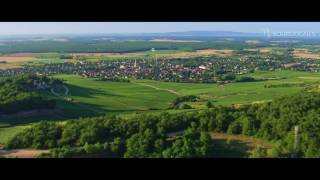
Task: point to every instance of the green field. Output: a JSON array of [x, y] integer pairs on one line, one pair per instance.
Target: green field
[[8, 132], [116, 96], [89, 97], [47, 61]]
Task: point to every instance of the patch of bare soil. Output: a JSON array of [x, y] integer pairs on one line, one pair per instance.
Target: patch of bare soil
[[304, 53], [205, 52], [9, 65], [262, 50], [22, 153], [17, 58], [252, 42], [173, 40]]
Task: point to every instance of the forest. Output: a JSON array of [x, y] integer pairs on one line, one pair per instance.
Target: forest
[[20, 93], [75, 46]]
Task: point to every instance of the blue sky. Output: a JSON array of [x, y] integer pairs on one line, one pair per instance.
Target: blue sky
[[145, 27]]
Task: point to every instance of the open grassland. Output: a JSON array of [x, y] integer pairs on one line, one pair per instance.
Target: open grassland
[[235, 146], [7, 133]]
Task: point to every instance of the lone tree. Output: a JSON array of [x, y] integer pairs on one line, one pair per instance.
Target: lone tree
[[209, 104]]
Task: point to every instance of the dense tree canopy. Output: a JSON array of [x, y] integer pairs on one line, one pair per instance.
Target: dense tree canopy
[[19, 93]]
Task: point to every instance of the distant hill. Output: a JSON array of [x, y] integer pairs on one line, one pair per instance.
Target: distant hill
[[210, 33], [182, 34], [192, 33]]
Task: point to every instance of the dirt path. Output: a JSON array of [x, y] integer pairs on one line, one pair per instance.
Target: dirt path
[[66, 92], [157, 88], [22, 153]]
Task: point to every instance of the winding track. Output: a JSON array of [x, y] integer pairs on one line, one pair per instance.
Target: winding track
[[66, 92]]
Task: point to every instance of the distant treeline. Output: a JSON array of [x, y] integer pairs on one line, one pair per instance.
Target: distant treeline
[[115, 46], [148, 135]]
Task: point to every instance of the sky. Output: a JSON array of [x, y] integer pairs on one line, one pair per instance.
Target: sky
[[10, 28]]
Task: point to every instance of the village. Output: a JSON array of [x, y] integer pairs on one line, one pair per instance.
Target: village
[[196, 70]]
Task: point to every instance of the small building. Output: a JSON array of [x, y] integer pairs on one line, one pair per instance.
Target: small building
[[202, 67]]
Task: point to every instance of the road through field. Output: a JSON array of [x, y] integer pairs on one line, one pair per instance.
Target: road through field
[[157, 88]]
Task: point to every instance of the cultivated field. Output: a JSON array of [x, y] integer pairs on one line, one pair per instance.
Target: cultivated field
[[19, 59], [304, 53], [116, 96], [160, 53], [252, 41], [144, 95]]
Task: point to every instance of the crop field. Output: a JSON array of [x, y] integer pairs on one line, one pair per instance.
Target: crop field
[[142, 95], [240, 93], [16, 58], [47, 61], [305, 53], [19, 59], [9, 65], [116, 96], [160, 54]]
